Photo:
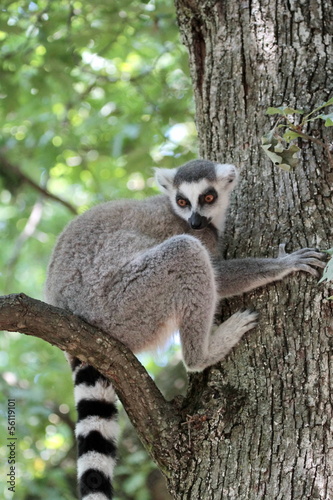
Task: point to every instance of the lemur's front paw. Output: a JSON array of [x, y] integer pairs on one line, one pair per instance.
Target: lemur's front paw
[[303, 259]]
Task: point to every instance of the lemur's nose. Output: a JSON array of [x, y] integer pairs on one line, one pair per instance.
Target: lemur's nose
[[198, 221]]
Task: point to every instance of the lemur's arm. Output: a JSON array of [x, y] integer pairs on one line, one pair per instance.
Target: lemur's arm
[[235, 277]]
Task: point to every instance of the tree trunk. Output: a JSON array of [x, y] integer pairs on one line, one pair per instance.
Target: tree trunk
[[261, 421]]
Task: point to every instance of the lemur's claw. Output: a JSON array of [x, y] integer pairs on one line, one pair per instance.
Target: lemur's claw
[[304, 259]]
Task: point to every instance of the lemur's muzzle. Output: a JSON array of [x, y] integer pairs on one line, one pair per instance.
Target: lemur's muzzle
[[198, 221]]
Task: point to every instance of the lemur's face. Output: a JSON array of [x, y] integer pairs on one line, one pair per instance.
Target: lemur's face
[[199, 191], [197, 202]]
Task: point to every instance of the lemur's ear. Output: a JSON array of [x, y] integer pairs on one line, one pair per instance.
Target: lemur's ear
[[164, 178], [226, 172]]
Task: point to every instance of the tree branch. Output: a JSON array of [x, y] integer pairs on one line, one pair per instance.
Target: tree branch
[[155, 419], [17, 172]]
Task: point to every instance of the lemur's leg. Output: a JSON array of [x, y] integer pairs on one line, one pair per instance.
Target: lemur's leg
[[161, 290], [178, 278], [234, 277], [220, 341], [168, 287], [228, 334]]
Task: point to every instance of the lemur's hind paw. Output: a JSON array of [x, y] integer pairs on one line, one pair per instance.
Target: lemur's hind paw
[[232, 330]]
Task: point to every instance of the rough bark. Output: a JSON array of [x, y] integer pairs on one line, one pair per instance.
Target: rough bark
[[268, 427]]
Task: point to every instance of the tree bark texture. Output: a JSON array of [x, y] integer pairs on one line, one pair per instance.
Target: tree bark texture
[[265, 430]]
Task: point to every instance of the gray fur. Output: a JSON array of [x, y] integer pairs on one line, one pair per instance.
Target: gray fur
[[194, 171], [136, 270]]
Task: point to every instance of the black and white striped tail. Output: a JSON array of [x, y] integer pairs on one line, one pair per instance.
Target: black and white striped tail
[[96, 431]]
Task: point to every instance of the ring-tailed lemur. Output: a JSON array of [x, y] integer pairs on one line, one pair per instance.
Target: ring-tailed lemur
[[142, 270]]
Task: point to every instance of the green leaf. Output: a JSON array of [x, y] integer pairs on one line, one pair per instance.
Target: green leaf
[[283, 110], [285, 167], [276, 159], [329, 102], [290, 135], [279, 148], [328, 271], [328, 119], [285, 158], [269, 138]]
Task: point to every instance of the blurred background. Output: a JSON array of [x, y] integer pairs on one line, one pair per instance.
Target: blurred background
[[92, 96]]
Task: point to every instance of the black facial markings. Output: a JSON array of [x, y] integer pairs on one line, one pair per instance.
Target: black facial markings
[[209, 191], [182, 201]]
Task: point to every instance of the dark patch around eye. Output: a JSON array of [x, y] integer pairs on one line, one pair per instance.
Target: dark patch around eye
[[182, 201], [209, 191]]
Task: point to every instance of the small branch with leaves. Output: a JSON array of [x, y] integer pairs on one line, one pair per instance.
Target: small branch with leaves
[[279, 147], [283, 153]]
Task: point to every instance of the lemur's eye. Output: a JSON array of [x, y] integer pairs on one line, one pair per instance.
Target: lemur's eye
[[209, 198], [182, 203]]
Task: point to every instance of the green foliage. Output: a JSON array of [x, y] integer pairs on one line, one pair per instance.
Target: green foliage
[[284, 111], [328, 119], [283, 154], [30, 373], [92, 94], [278, 148], [273, 145]]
